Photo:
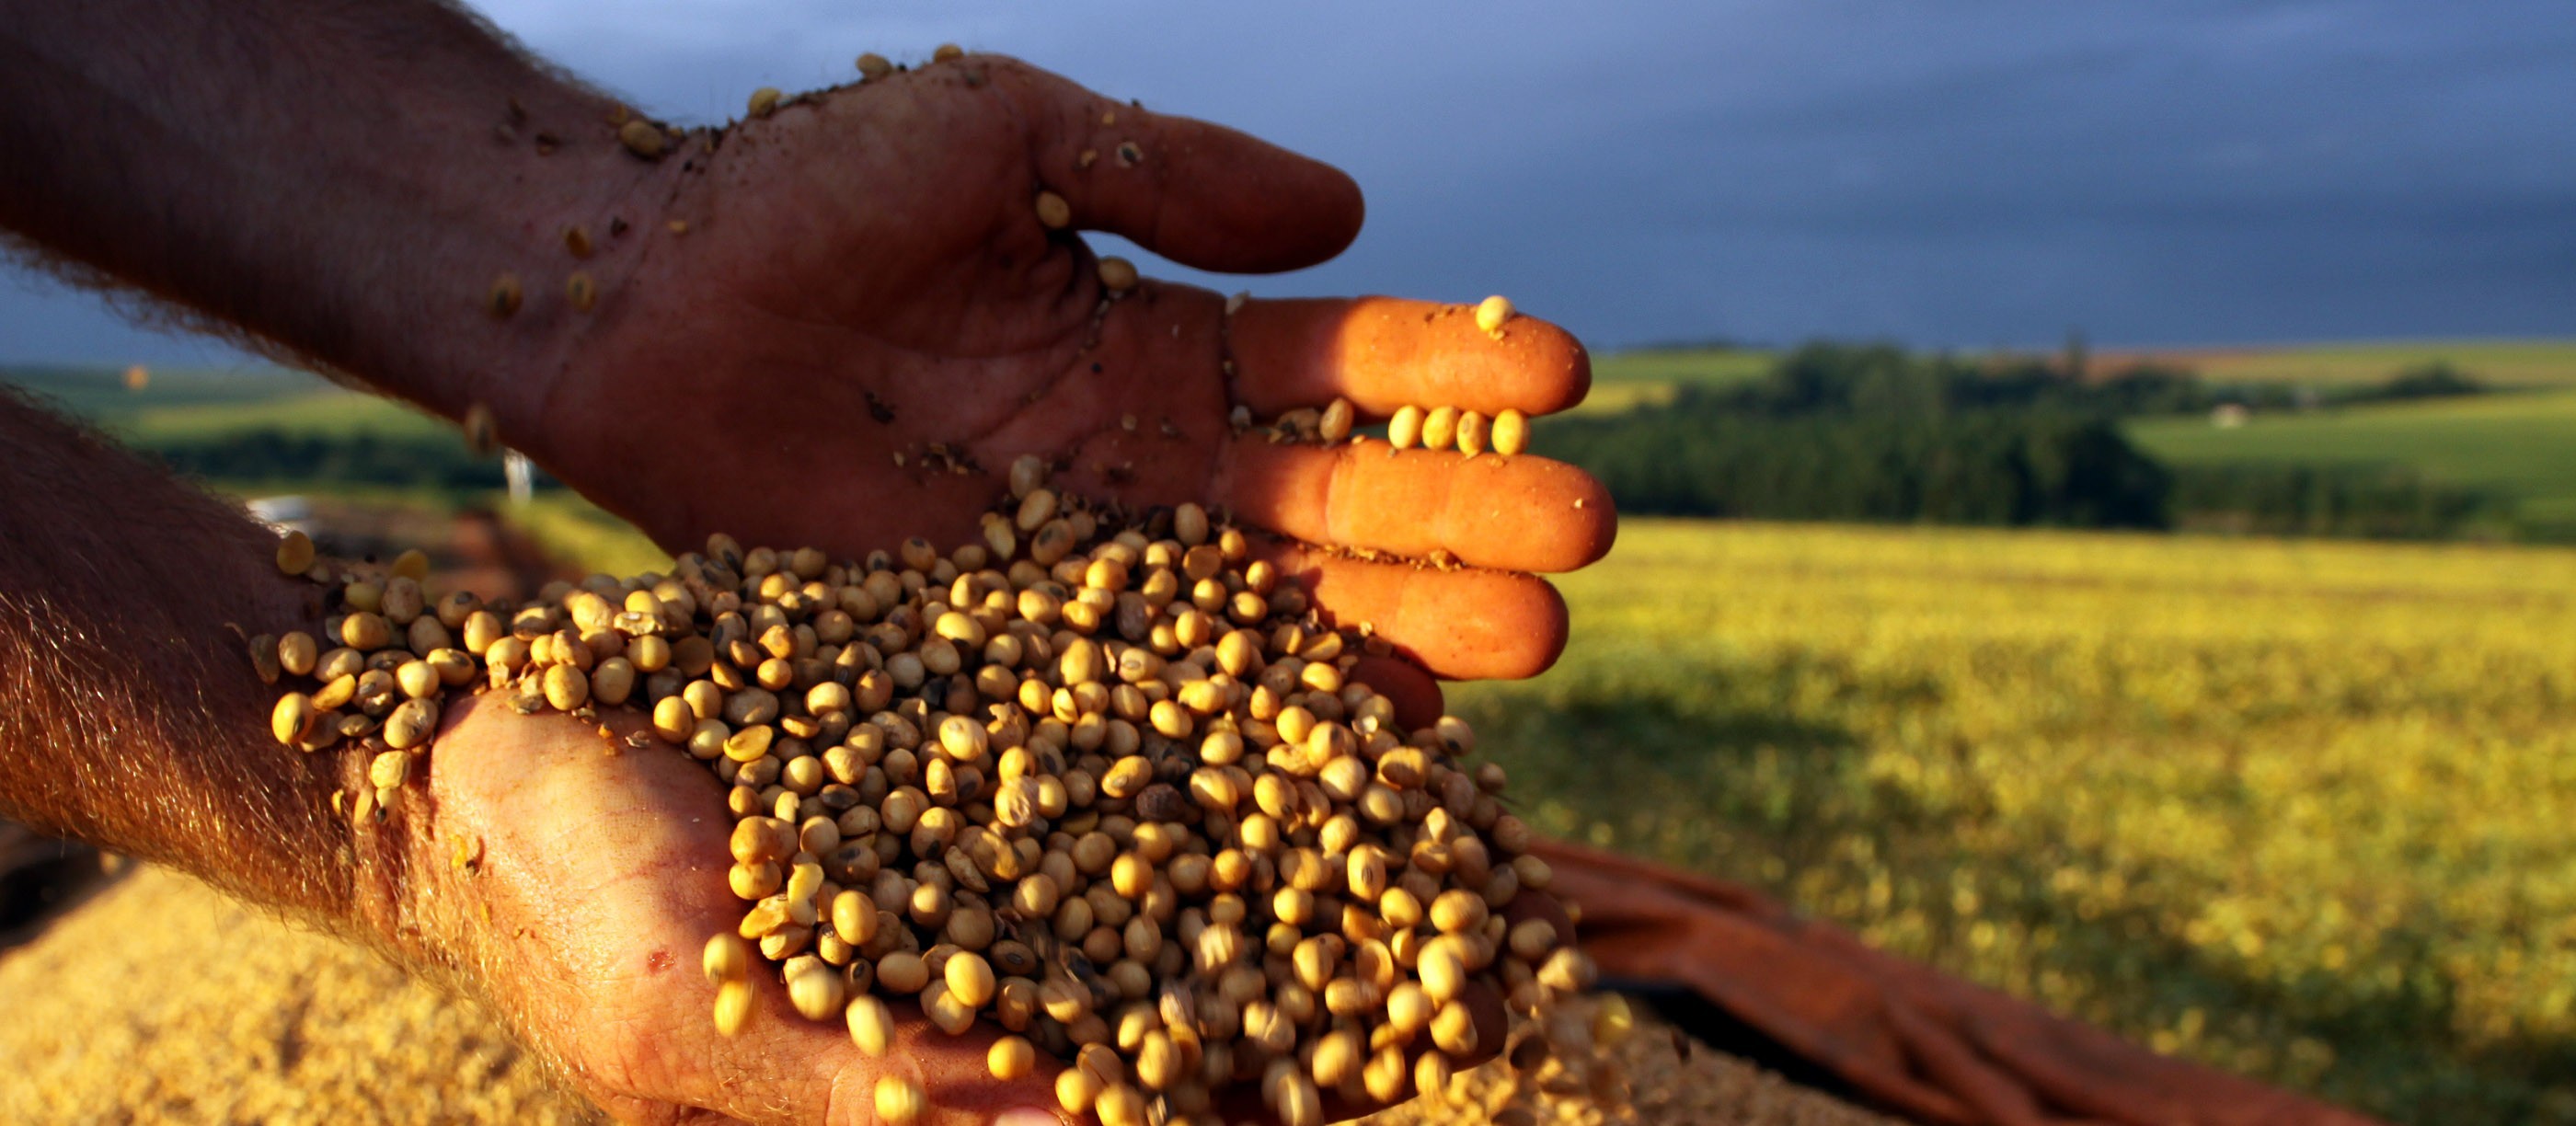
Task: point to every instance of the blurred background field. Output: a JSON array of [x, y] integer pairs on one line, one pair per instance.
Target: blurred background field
[[2298, 807]]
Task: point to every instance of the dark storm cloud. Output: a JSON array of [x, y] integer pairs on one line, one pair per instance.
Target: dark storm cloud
[[1949, 174]]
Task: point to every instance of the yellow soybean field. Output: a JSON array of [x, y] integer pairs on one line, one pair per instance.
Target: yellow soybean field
[[2305, 810]]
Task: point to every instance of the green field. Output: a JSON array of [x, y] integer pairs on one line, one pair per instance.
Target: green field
[[2521, 446], [1625, 379], [2516, 363], [2306, 810]]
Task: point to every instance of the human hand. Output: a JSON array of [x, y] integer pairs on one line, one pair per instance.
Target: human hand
[[591, 882], [574, 883], [863, 275]]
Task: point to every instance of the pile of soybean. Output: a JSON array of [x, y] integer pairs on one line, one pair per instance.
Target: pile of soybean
[[1102, 778]]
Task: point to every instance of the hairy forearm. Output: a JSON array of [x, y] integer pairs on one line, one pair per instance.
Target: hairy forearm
[[130, 715], [346, 181]]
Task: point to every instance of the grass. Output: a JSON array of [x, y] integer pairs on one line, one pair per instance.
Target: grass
[[2522, 446], [2300, 809]]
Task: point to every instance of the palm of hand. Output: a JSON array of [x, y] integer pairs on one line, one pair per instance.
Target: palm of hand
[[595, 880], [864, 295]]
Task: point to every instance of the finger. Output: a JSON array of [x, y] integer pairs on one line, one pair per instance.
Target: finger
[[1515, 513], [1199, 194], [1459, 625], [1414, 692], [1382, 353]]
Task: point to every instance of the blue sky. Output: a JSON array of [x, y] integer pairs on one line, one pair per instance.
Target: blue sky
[[1945, 174]]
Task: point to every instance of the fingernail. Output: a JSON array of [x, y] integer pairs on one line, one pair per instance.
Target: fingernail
[[1028, 1116]]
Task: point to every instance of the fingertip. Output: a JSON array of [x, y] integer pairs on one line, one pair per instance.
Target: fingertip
[[1560, 366], [1414, 692]]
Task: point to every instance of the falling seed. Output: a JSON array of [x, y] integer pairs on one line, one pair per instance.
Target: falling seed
[[580, 290], [503, 300], [764, 101], [577, 240], [643, 138], [1491, 314], [1053, 212], [947, 53], [1118, 274], [295, 554], [873, 67]]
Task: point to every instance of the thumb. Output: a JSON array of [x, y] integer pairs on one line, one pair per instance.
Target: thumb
[[1199, 194]]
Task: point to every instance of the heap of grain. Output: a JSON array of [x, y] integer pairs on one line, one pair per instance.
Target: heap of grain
[[1101, 778]]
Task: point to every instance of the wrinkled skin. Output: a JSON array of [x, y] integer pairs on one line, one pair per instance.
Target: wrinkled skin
[[863, 275]]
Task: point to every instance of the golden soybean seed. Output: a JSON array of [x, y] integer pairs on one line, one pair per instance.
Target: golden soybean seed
[[947, 53], [566, 687], [969, 978], [298, 653], [1053, 212], [764, 101], [733, 1006], [871, 1025], [1011, 1057], [1117, 274], [412, 564], [581, 291], [900, 1101], [576, 240], [726, 958], [642, 138], [1335, 425], [1077, 1090], [1510, 432], [1471, 433], [412, 724], [295, 553], [1404, 430], [1492, 313], [874, 67], [814, 988], [293, 718], [1440, 428], [1119, 1105]]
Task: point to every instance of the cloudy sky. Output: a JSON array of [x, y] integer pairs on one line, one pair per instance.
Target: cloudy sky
[[1943, 173]]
